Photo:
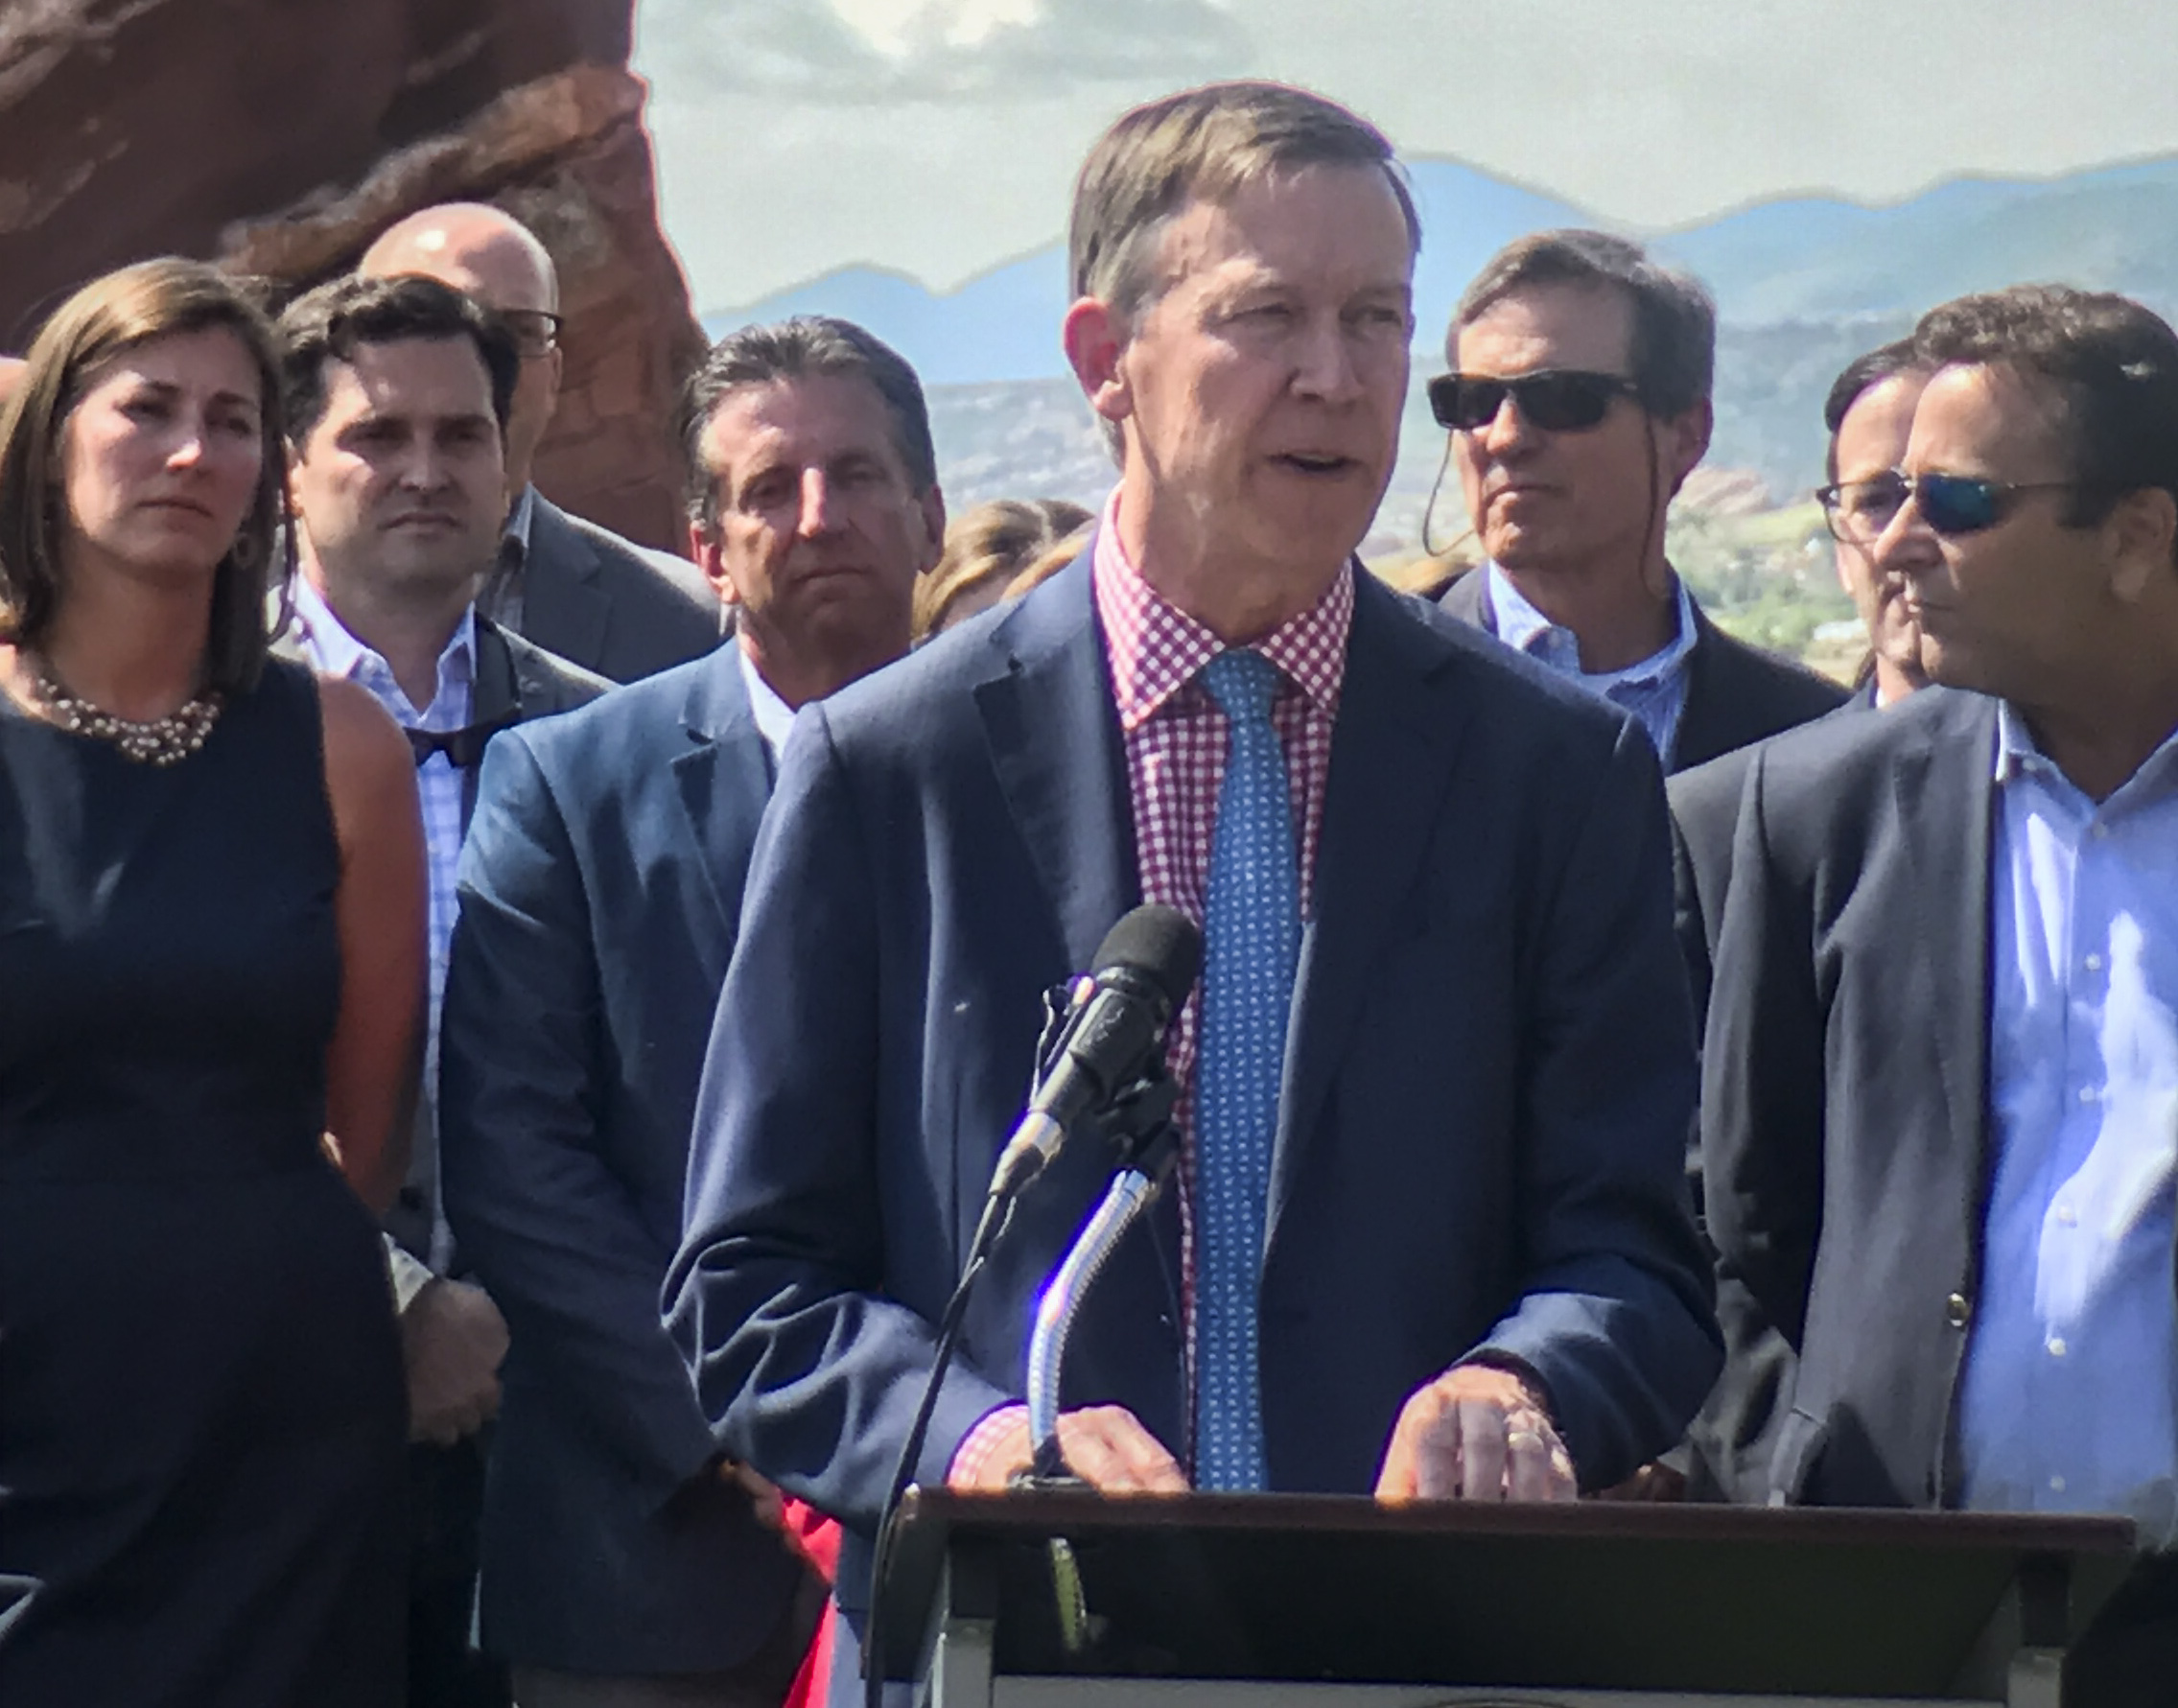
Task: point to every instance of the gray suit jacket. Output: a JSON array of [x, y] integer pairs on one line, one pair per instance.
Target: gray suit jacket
[[1845, 1089], [1736, 694], [609, 605]]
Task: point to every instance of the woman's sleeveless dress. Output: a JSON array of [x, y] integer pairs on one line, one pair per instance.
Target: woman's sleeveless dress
[[201, 1412]]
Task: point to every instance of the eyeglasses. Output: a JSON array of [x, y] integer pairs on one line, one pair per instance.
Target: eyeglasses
[[1858, 511], [536, 331], [1556, 399], [1950, 505]]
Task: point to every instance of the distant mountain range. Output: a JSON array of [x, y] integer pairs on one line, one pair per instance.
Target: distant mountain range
[[1802, 284]]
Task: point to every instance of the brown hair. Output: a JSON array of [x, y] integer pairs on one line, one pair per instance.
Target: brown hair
[[808, 347], [2107, 363], [1202, 145], [152, 300], [994, 543], [1674, 350]]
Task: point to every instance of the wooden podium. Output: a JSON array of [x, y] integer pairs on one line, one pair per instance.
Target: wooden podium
[[1075, 1601]]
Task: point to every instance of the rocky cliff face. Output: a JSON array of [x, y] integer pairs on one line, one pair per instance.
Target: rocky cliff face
[[280, 136]]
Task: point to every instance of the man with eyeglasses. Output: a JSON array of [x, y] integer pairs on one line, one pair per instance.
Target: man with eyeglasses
[[574, 588], [1577, 404], [1940, 1098]]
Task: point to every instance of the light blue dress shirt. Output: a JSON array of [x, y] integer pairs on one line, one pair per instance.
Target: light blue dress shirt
[[2069, 1400], [1654, 691]]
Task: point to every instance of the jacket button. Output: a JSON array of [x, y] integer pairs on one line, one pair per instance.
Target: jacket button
[[1956, 1310]]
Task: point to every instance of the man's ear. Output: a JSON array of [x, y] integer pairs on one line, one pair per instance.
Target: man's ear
[[1094, 340], [932, 506], [1682, 441], [2142, 529], [711, 558]]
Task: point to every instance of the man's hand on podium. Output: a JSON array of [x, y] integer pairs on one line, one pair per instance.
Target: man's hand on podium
[[1477, 1433], [1106, 1447]]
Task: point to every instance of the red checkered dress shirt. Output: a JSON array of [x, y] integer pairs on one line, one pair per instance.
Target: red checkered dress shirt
[[1176, 736]]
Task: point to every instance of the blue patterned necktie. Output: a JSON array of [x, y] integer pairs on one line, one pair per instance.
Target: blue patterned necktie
[[1252, 926]]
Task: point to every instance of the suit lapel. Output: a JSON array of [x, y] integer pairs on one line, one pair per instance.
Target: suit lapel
[[1054, 740], [563, 609], [1392, 756], [1946, 796], [1696, 740], [726, 768]]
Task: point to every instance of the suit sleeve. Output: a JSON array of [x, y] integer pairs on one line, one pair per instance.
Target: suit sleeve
[[811, 1373], [1616, 1312], [550, 1228], [1763, 1076]]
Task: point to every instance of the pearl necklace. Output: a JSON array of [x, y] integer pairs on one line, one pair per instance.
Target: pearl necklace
[[161, 741]]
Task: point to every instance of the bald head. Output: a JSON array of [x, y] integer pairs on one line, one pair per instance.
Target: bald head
[[472, 247], [495, 258]]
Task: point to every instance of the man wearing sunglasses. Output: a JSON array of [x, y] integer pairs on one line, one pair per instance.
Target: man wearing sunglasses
[[1940, 1096], [570, 586], [1578, 404]]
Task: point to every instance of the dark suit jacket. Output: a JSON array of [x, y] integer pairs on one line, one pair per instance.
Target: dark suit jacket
[[1487, 1081], [518, 680], [611, 606], [1845, 1083], [1735, 693], [600, 892]]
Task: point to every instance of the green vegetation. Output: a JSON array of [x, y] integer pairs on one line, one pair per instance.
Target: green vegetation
[[1767, 577]]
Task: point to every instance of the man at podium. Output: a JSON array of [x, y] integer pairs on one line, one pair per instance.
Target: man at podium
[[1430, 1236]]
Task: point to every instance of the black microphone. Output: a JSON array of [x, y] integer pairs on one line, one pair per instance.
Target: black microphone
[[1144, 969]]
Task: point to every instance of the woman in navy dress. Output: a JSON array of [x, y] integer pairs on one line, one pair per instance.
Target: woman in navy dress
[[211, 965]]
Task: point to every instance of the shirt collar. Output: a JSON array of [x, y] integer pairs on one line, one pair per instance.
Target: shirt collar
[[516, 529], [336, 652], [2019, 757], [1524, 628], [775, 717], [1157, 649]]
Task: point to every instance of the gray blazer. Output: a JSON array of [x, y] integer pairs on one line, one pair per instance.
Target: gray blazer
[[608, 605]]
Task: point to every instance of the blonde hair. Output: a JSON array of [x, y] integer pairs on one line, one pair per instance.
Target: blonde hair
[[988, 547], [152, 300]]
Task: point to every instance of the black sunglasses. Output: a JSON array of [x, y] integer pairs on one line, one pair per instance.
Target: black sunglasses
[[1555, 399], [1950, 505]]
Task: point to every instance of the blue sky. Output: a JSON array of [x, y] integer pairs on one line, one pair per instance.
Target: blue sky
[[940, 138]]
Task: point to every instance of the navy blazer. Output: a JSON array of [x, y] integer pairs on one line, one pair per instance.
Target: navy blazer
[[1735, 693], [1845, 1085], [1488, 1079], [600, 890]]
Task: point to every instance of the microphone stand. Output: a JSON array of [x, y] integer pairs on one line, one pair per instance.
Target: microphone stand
[[1141, 1122]]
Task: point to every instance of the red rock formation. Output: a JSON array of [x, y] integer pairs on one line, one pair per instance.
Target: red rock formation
[[280, 136]]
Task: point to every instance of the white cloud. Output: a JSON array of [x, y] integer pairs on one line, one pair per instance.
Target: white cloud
[[864, 52]]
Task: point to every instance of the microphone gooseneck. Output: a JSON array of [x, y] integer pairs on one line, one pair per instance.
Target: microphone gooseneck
[[1108, 1042]]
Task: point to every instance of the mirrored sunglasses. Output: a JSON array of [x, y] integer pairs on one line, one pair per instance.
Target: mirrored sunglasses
[[1950, 505]]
